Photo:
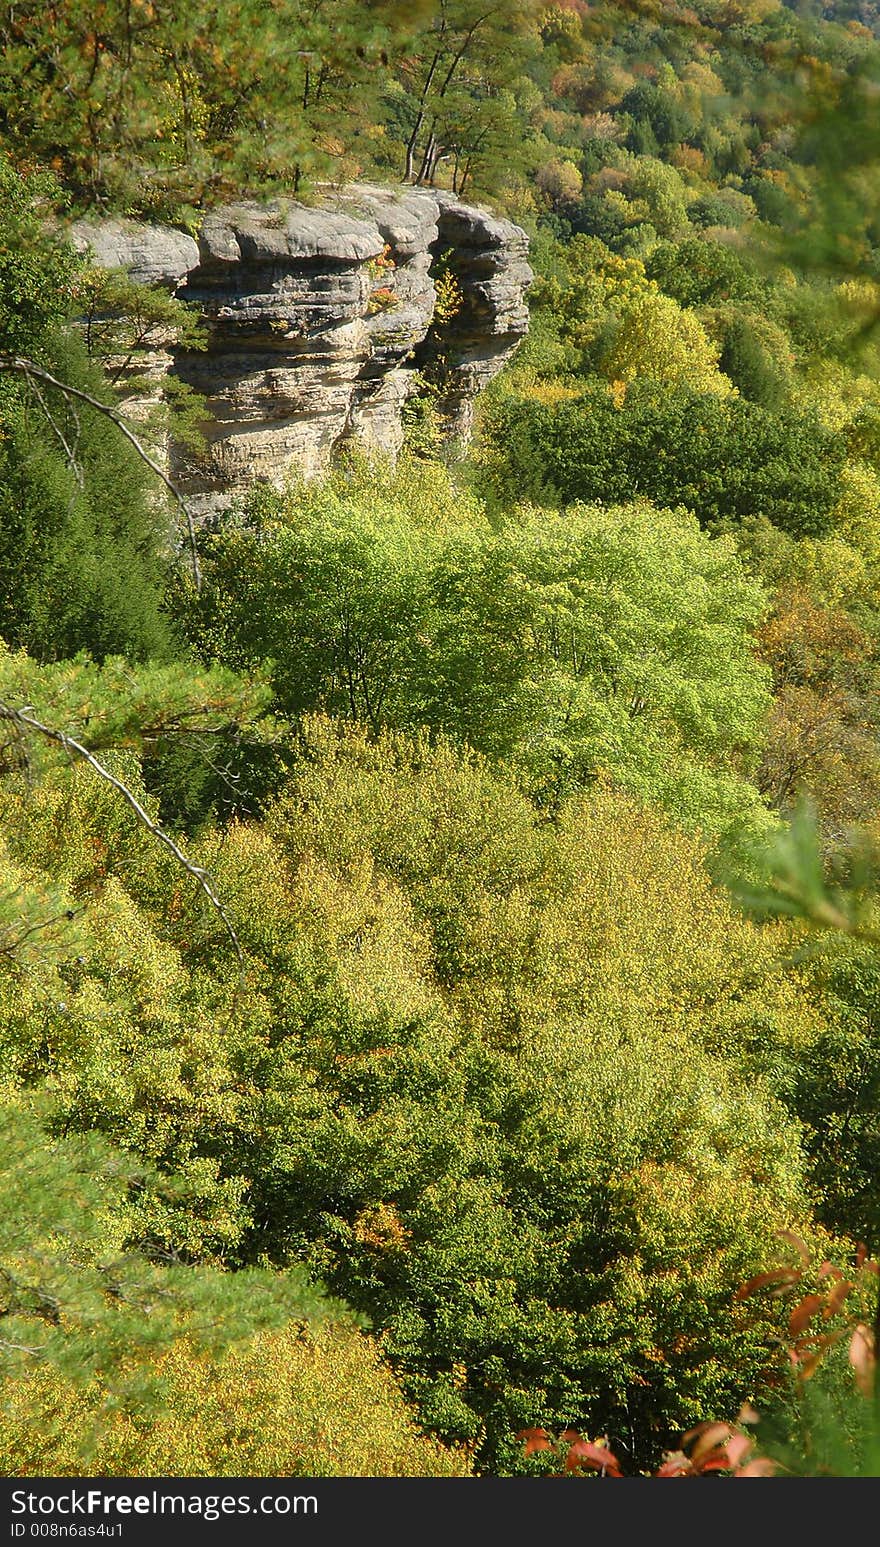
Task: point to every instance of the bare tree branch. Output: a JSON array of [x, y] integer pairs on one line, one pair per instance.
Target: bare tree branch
[[9, 947], [33, 373], [22, 1348], [69, 456], [25, 720]]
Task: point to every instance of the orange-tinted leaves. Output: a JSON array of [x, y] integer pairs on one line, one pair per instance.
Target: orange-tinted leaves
[[863, 1358], [715, 1447], [824, 1343], [760, 1467], [598, 1457], [810, 1365], [828, 1270], [704, 1438], [863, 1261], [798, 1244], [580, 1452], [675, 1464], [804, 1312], [738, 1447], [535, 1439], [837, 1296], [776, 1276]]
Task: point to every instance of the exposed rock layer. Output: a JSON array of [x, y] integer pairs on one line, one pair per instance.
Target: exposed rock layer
[[319, 318]]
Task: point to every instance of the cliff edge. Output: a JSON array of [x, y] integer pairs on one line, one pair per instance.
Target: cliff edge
[[322, 320]]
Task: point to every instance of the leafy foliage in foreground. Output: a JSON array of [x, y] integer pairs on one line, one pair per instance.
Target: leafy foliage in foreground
[[75, 1299], [817, 1424], [308, 1400], [476, 1078]]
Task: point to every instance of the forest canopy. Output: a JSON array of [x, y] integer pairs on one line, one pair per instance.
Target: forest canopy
[[438, 901]]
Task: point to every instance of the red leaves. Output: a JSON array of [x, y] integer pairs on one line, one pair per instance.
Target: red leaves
[[715, 1448], [724, 1449], [809, 1342], [705, 1439], [738, 1447], [596, 1457], [806, 1353], [676, 1464], [718, 1447], [709, 1448], [576, 1453]]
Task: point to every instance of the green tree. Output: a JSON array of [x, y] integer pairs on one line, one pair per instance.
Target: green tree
[[726, 459], [524, 1270], [75, 1298], [156, 106], [85, 547], [619, 324], [576, 644], [449, 81], [538, 1169]]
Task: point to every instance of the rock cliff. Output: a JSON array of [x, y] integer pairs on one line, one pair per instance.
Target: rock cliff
[[319, 319]]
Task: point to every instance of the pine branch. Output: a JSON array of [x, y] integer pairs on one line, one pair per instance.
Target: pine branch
[[33, 373]]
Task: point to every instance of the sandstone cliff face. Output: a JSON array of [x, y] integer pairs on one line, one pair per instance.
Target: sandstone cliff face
[[319, 318]]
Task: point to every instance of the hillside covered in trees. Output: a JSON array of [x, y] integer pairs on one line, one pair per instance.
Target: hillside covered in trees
[[439, 928]]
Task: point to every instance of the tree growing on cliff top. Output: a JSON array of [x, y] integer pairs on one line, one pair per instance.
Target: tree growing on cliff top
[[451, 80], [155, 104]]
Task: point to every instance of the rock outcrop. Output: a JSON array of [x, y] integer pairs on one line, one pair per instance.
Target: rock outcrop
[[321, 320], [151, 255]]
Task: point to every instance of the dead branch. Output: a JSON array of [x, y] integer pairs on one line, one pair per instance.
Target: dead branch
[[25, 720], [33, 373]]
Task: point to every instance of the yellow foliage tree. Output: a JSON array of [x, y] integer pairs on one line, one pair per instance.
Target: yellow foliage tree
[[656, 340], [292, 1403]]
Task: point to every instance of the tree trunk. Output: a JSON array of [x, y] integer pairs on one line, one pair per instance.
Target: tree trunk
[[413, 141], [428, 159]]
